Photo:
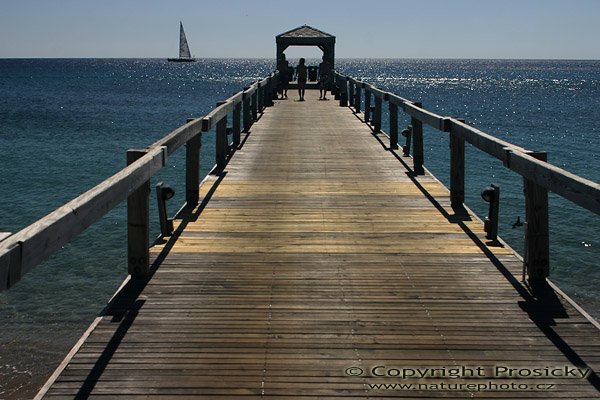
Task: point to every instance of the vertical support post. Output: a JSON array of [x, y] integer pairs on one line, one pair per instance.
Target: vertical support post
[[255, 105], [393, 108], [246, 111], [237, 124], [272, 94], [259, 98], [192, 169], [277, 81], [274, 86], [457, 171], [344, 92], [221, 145], [357, 99], [351, 93], [367, 105], [537, 239], [269, 92], [265, 94], [11, 267], [417, 139], [377, 116], [138, 225]]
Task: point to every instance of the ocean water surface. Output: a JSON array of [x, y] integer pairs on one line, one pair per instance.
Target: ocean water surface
[[65, 126]]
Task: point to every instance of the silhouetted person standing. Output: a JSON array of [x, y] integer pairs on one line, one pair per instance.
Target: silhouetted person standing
[[301, 74], [324, 73], [284, 79]]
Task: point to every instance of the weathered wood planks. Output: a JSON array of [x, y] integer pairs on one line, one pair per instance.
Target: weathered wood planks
[[318, 252]]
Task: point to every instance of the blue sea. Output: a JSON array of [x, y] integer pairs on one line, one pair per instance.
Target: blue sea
[[65, 125]]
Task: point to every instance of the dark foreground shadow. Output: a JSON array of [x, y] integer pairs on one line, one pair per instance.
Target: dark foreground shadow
[[126, 305], [540, 301]]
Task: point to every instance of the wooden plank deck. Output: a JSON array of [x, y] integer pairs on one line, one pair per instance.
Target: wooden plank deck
[[318, 262]]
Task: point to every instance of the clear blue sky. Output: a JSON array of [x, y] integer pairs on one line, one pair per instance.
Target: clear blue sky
[[247, 28]]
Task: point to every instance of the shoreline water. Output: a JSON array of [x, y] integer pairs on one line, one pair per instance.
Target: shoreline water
[[75, 119]]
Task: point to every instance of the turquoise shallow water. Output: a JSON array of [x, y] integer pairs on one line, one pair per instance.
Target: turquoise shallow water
[[65, 126]]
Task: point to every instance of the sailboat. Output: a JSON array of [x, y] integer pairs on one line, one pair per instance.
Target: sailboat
[[184, 50]]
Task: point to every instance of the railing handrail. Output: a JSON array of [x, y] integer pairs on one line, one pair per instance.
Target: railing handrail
[[25, 249], [579, 190], [22, 251], [539, 175]]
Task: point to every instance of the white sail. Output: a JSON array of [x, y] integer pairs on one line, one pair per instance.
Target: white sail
[[184, 50]]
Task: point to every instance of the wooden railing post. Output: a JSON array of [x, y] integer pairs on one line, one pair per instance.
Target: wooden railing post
[[259, 98], [270, 92], [274, 85], [138, 225], [377, 115], [357, 99], [351, 92], [393, 109], [336, 86], [417, 141], [246, 111], [367, 105], [192, 169], [344, 92], [11, 266], [537, 239], [237, 124], [457, 171], [255, 105], [221, 145], [268, 97]]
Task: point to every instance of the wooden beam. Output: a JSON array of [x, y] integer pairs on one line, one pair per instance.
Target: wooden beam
[[221, 146], [580, 191], [255, 104], [537, 237], [393, 111], [237, 125], [217, 114], [138, 224], [489, 144], [180, 136], [457, 171], [192, 169], [377, 115], [49, 234], [376, 92], [417, 140], [427, 117], [367, 103], [397, 100], [10, 266], [343, 91], [357, 98], [247, 111]]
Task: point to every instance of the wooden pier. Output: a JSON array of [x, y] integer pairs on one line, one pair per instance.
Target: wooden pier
[[317, 264]]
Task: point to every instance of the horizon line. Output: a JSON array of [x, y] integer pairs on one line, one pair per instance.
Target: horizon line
[[337, 58]]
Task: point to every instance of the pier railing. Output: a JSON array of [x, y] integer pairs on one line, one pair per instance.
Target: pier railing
[[22, 251], [539, 176]]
